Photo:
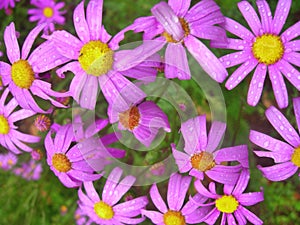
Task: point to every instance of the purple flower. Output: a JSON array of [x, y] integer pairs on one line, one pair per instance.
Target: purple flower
[[21, 77], [42, 122], [106, 210], [180, 27], [5, 4], [286, 155], [47, 11], [202, 155], [10, 137], [143, 120], [81, 217], [95, 62], [231, 203], [30, 170], [176, 213], [264, 49], [7, 161], [68, 164]]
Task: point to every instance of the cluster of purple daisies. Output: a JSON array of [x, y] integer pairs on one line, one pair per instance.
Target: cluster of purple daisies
[[78, 156]]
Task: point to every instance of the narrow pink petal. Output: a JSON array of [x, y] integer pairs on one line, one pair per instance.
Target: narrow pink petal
[[157, 200], [224, 174], [194, 134], [77, 84], [110, 185], [230, 219], [21, 114], [89, 93], [234, 44], [236, 153], [168, 19], [80, 23], [265, 15], [237, 29], [30, 39], [21, 145], [49, 145], [145, 134], [10, 145], [176, 62], [281, 13], [182, 160], [279, 172], [84, 198], [131, 208], [278, 86], [251, 217], [127, 220], [240, 217], [203, 191], [251, 17], [292, 57], [292, 46], [240, 73], [202, 9], [251, 198], [67, 181], [207, 60], [215, 135], [280, 151], [291, 73], [123, 186], [208, 32], [283, 126], [196, 173], [173, 192], [184, 187], [257, 84], [242, 182], [155, 217], [64, 133], [191, 205], [296, 104], [11, 105], [26, 137], [83, 176], [94, 18], [180, 7], [291, 33], [11, 43], [5, 71]]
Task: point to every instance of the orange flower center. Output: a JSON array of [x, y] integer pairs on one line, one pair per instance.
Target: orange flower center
[[130, 118], [203, 161]]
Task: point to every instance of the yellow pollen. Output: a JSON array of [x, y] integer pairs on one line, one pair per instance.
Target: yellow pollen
[[174, 218], [48, 12], [203, 161], [268, 49], [4, 126], [1, 84], [296, 157], [227, 204], [103, 210], [130, 118], [22, 74], [61, 162], [10, 162], [96, 58], [185, 27]]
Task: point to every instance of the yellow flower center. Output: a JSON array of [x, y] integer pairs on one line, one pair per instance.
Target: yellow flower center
[[130, 118], [174, 218], [96, 58], [1, 84], [268, 49], [185, 27], [61, 162], [4, 126], [103, 210], [203, 161], [296, 157], [227, 204], [48, 12], [22, 74]]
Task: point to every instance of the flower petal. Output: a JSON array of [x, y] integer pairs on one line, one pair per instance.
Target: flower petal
[[282, 125], [80, 23], [279, 172], [281, 13], [251, 198], [265, 15], [157, 199], [180, 7], [251, 17], [182, 160], [292, 74], [296, 104], [215, 135], [11, 43], [251, 217], [291, 33], [94, 18], [257, 84], [132, 207], [224, 174], [155, 217], [207, 60], [236, 153], [237, 29]]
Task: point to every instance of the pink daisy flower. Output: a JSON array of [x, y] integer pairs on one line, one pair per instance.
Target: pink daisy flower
[[176, 213], [5, 4], [30, 170], [68, 164], [81, 217], [264, 49], [202, 155], [47, 11], [107, 210], [179, 27], [143, 120], [21, 76], [95, 62], [286, 155], [7, 161], [10, 137], [232, 203]]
